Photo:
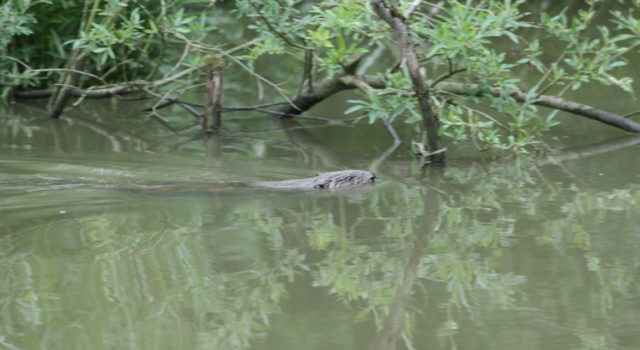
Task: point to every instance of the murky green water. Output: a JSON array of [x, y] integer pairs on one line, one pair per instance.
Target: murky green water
[[473, 256], [478, 255]]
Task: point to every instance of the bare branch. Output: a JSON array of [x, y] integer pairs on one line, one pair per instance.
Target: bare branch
[[242, 46], [548, 101], [472, 110], [249, 108], [631, 114], [191, 110], [447, 75], [65, 70], [298, 116], [392, 132]]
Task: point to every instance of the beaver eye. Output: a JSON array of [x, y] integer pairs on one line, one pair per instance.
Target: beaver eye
[[350, 178]]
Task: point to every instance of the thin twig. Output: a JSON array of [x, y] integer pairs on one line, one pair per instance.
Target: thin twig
[[546, 75], [185, 53], [629, 115], [202, 46], [235, 132], [242, 46], [66, 70], [160, 119], [248, 108], [197, 125], [392, 131], [473, 137], [407, 341], [280, 90], [337, 121], [260, 108], [396, 143], [274, 31], [414, 5], [191, 110], [447, 75], [488, 117], [424, 153], [171, 101]]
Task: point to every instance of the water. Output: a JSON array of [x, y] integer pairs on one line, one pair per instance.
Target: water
[[478, 255], [482, 254]]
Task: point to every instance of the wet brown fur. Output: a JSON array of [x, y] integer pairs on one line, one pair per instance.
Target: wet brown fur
[[323, 181]]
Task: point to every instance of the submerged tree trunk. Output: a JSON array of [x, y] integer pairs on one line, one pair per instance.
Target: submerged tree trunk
[[213, 147], [212, 120], [67, 84]]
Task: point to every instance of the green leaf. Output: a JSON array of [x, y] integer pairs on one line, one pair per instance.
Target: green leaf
[[353, 109]]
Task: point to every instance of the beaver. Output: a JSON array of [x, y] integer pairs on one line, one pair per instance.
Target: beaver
[[323, 181]]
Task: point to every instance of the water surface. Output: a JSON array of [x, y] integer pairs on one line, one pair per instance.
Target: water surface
[[481, 254]]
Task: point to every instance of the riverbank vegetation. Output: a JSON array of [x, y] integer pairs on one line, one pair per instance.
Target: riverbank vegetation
[[456, 71]]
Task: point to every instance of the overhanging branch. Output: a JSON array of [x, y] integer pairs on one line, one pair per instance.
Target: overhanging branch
[[346, 82], [553, 102], [327, 88]]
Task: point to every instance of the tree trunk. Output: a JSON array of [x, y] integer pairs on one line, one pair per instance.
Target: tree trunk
[[213, 101], [399, 26]]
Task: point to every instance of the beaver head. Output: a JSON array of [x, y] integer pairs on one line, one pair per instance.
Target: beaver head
[[342, 179]]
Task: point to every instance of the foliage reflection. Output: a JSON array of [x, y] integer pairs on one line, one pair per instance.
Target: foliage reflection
[[475, 250]]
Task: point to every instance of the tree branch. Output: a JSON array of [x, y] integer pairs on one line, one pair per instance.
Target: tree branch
[[345, 82], [414, 5], [550, 102]]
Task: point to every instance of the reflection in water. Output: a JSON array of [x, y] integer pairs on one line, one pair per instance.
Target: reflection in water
[[476, 256], [497, 251]]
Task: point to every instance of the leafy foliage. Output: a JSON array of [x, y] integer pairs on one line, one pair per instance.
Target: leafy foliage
[[123, 41]]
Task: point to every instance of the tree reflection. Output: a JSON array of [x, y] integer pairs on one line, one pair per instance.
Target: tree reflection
[[448, 265]]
